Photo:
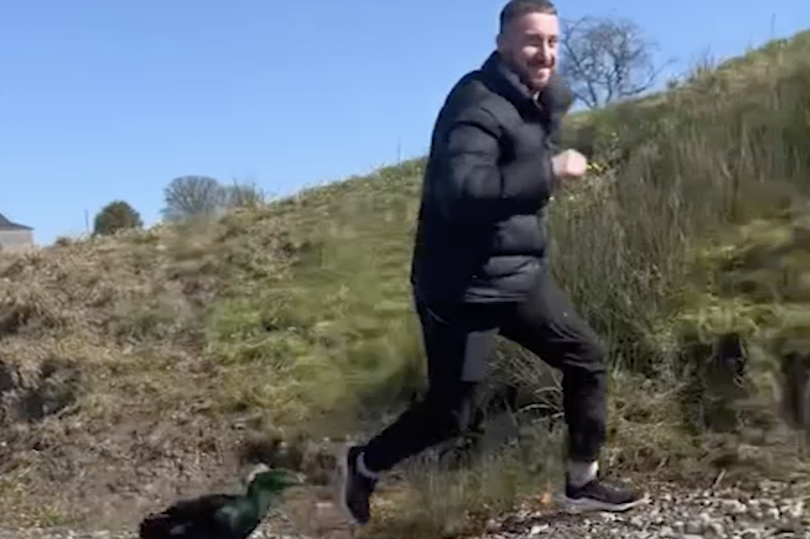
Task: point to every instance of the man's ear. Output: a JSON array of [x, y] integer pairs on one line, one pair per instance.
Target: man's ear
[[500, 42]]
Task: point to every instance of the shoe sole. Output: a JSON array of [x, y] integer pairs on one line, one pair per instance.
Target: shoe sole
[[342, 483], [587, 504]]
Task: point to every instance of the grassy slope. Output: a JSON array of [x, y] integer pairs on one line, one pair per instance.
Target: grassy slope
[[132, 367]]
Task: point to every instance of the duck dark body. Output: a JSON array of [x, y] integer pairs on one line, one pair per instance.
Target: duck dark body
[[210, 516], [218, 516]]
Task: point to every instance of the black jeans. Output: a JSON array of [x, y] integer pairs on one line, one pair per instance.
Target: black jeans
[[458, 341]]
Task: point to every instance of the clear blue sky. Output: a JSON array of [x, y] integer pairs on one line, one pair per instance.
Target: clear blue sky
[[111, 99]]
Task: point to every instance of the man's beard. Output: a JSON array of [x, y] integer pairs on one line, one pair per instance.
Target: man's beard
[[527, 74]]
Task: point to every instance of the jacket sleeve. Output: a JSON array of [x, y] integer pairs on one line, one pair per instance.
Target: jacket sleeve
[[474, 186]]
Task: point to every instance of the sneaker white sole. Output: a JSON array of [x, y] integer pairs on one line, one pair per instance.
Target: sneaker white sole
[[342, 483], [587, 504]]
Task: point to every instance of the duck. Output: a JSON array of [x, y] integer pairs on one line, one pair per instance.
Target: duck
[[220, 515]]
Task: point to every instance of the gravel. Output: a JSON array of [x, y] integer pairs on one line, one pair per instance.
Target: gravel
[[771, 511]]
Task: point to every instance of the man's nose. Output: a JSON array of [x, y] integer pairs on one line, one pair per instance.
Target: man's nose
[[546, 54]]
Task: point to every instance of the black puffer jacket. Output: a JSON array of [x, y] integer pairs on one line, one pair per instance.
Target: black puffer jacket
[[481, 235]]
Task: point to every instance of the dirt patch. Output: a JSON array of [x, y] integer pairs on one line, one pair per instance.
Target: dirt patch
[[30, 395]]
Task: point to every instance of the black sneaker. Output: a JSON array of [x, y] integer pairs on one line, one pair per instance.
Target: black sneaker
[[355, 488], [601, 495]]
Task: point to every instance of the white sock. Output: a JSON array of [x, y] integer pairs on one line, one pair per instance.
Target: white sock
[[580, 473], [363, 469]]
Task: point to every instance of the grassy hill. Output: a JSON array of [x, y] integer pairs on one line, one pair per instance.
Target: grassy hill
[[139, 367]]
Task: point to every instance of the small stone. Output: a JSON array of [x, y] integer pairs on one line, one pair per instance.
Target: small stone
[[792, 528], [716, 529], [750, 533], [693, 528], [537, 529], [772, 513], [795, 510], [666, 531], [735, 507]]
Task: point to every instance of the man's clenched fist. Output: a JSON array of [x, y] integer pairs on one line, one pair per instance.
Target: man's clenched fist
[[569, 163]]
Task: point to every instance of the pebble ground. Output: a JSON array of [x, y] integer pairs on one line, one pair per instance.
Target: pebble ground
[[771, 511]]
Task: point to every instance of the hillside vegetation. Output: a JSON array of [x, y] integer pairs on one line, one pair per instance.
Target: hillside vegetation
[[138, 367]]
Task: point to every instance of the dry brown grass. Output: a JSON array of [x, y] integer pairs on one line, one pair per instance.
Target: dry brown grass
[[106, 384]]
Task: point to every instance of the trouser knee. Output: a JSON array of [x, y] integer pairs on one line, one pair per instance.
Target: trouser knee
[[588, 361]]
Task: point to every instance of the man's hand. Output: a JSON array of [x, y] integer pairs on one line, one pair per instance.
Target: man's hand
[[569, 163]]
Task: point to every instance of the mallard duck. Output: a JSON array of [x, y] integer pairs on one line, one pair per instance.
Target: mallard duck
[[222, 516]]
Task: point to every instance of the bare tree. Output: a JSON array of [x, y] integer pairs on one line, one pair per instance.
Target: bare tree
[[244, 195], [191, 196], [605, 60]]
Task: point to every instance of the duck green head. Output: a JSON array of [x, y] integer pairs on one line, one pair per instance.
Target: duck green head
[[262, 478]]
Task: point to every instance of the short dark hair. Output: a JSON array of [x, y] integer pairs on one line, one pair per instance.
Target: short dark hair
[[517, 8]]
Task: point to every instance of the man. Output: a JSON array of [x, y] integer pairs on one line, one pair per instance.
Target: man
[[479, 265]]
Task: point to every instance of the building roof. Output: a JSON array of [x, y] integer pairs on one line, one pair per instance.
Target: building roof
[[5, 224]]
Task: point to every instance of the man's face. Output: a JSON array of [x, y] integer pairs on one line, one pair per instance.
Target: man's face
[[529, 44]]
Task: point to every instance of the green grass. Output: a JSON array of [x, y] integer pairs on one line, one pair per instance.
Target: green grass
[[128, 355]]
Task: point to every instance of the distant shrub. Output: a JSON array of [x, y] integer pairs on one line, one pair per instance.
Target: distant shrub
[[115, 216]]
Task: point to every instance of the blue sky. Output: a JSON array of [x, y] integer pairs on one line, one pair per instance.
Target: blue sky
[[103, 100]]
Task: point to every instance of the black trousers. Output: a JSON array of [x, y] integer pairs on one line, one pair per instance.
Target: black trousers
[[458, 341]]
